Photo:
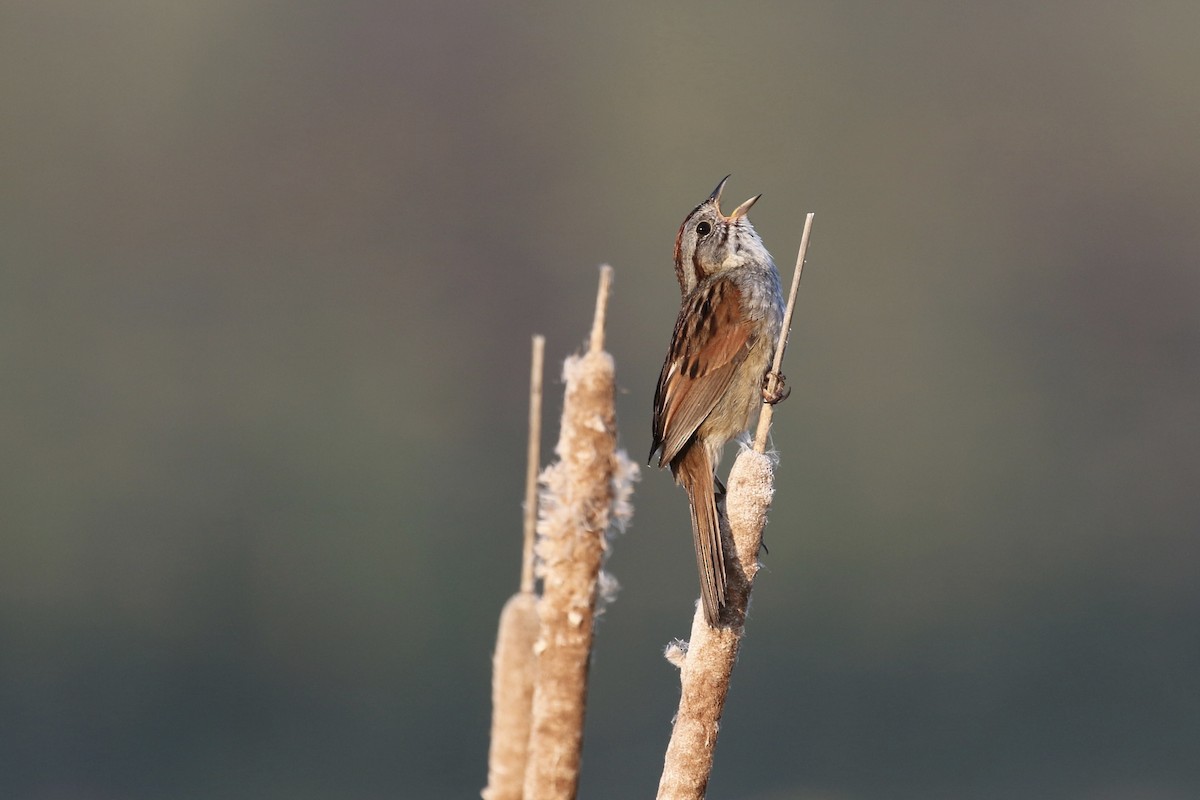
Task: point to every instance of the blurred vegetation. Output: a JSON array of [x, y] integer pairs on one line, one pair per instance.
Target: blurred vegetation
[[267, 277]]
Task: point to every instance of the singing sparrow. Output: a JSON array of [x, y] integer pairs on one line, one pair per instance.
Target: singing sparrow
[[714, 375]]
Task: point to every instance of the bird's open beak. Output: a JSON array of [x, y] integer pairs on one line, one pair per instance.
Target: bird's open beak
[[744, 208], [715, 197]]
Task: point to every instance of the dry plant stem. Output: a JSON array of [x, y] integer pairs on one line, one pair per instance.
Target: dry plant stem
[[533, 461], [768, 410], [596, 343], [575, 515], [707, 666], [513, 664]]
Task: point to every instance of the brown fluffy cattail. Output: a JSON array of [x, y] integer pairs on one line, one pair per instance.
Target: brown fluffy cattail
[[706, 661], [513, 672], [585, 492]]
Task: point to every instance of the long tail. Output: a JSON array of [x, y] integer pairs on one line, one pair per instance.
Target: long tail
[[694, 471]]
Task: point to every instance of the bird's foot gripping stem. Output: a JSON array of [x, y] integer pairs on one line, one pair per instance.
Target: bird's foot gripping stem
[[774, 389]]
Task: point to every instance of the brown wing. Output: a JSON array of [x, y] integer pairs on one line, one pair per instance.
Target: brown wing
[[710, 341]]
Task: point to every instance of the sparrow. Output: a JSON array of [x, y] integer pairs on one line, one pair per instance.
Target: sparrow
[[714, 376]]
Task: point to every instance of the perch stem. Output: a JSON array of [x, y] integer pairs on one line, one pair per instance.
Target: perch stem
[[768, 410]]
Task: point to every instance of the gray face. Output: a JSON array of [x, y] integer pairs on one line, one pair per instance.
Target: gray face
[[712, 235], [709, 243], [697, 248]]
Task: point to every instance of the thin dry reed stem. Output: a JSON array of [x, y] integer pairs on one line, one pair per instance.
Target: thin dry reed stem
[[596, 341], [532, 461], [768, 410]]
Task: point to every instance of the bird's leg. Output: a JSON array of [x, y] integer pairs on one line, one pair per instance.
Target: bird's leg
[[719, 491], [774, 389]]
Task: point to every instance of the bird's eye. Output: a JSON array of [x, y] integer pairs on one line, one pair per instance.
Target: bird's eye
[[703, 229]]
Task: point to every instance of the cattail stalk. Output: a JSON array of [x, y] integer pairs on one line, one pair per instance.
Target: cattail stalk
[[768, 410], [532, 462], [513, 664], [584, 492], [706, 661]]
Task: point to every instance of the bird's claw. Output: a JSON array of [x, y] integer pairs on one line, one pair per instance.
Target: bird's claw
[[774, 389]]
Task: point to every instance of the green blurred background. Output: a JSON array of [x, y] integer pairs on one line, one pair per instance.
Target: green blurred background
[[268, 273]]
